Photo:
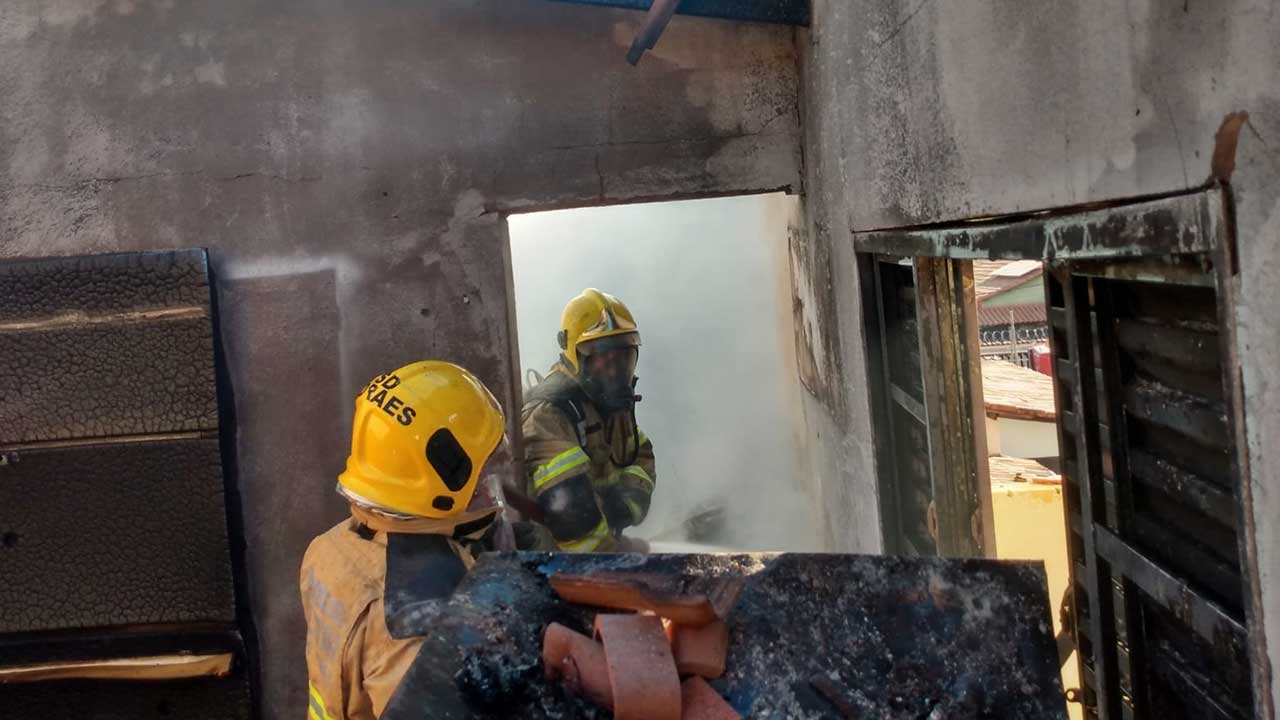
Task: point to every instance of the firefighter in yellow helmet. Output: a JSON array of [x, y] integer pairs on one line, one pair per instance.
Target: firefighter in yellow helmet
[[589, 467], [422, 502]]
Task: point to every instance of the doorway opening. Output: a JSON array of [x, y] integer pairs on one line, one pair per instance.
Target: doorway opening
[[1021, 422], [708, 283]]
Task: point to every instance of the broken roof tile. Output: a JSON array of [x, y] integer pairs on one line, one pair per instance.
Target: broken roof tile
[[700, 650], [578, 662], [642, 672], [689, 601]]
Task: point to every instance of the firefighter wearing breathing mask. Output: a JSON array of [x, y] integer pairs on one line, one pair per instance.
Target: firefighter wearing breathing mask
[[422, 503], [589, 467]]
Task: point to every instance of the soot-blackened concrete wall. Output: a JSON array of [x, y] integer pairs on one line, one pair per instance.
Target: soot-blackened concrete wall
[[348, 164]]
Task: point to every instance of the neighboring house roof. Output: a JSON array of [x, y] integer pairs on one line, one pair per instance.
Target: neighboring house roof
[[992, 277], [982, 270], [1012, 391], [1028, 313], [1005, 469]]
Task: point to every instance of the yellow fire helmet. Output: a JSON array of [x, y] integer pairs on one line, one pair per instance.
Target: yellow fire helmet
[[420, 441], [594, 316]]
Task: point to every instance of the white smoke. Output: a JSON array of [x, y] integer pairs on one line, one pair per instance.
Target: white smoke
[[708, 283]]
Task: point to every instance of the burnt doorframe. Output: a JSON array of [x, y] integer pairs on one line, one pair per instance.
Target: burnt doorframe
[[940, 405], [1197, 222]]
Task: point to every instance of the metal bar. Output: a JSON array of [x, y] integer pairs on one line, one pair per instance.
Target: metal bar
[[1188, 488], [655, 22], [1068, 419], [1177, 224], [1131, 650], [1073, 522], [908, 403], [1063, 371], [1209, 620], [1227, 270], [1092, 505], [1058, 317], [782, 12]]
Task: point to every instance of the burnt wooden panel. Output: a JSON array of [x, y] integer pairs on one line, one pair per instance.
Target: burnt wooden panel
[[102, 285], [113, 512], [104, 380], [1174, 224], [104, 346], [950, 364], [113, 535], [1164, 588], [195, 699], [931, 438]]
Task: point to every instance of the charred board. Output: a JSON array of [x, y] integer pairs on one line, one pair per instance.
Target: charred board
[[114, 540], [210, 698], [811, 636]]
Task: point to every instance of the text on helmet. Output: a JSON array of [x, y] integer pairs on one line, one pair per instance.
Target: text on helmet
[[376, 392]]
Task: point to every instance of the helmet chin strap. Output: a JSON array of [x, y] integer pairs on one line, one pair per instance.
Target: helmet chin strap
[[424, 525]]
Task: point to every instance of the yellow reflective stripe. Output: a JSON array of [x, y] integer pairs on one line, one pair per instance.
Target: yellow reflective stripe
[[590, 542], [638, 472], [637, 513], [558, 465], [317, 710], [644, 439]]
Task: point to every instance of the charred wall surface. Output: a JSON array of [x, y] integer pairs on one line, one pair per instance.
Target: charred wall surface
[[347, 166]]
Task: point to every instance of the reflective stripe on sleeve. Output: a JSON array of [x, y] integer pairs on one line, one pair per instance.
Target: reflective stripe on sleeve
[[588, 543], [557, 466]]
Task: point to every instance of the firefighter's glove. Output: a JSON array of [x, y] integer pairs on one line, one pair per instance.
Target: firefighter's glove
[[623, 507]]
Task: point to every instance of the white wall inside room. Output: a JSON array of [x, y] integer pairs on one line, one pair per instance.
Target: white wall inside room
[[708, 283], [1028, 438]]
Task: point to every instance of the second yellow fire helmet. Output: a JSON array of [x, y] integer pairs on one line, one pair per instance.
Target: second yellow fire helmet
[[420, 440], [593, 316]]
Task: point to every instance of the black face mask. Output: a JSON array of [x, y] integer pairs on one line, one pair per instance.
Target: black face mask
[[609, 379]]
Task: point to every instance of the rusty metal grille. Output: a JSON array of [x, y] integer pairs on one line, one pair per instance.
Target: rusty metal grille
[[1151, 492]]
